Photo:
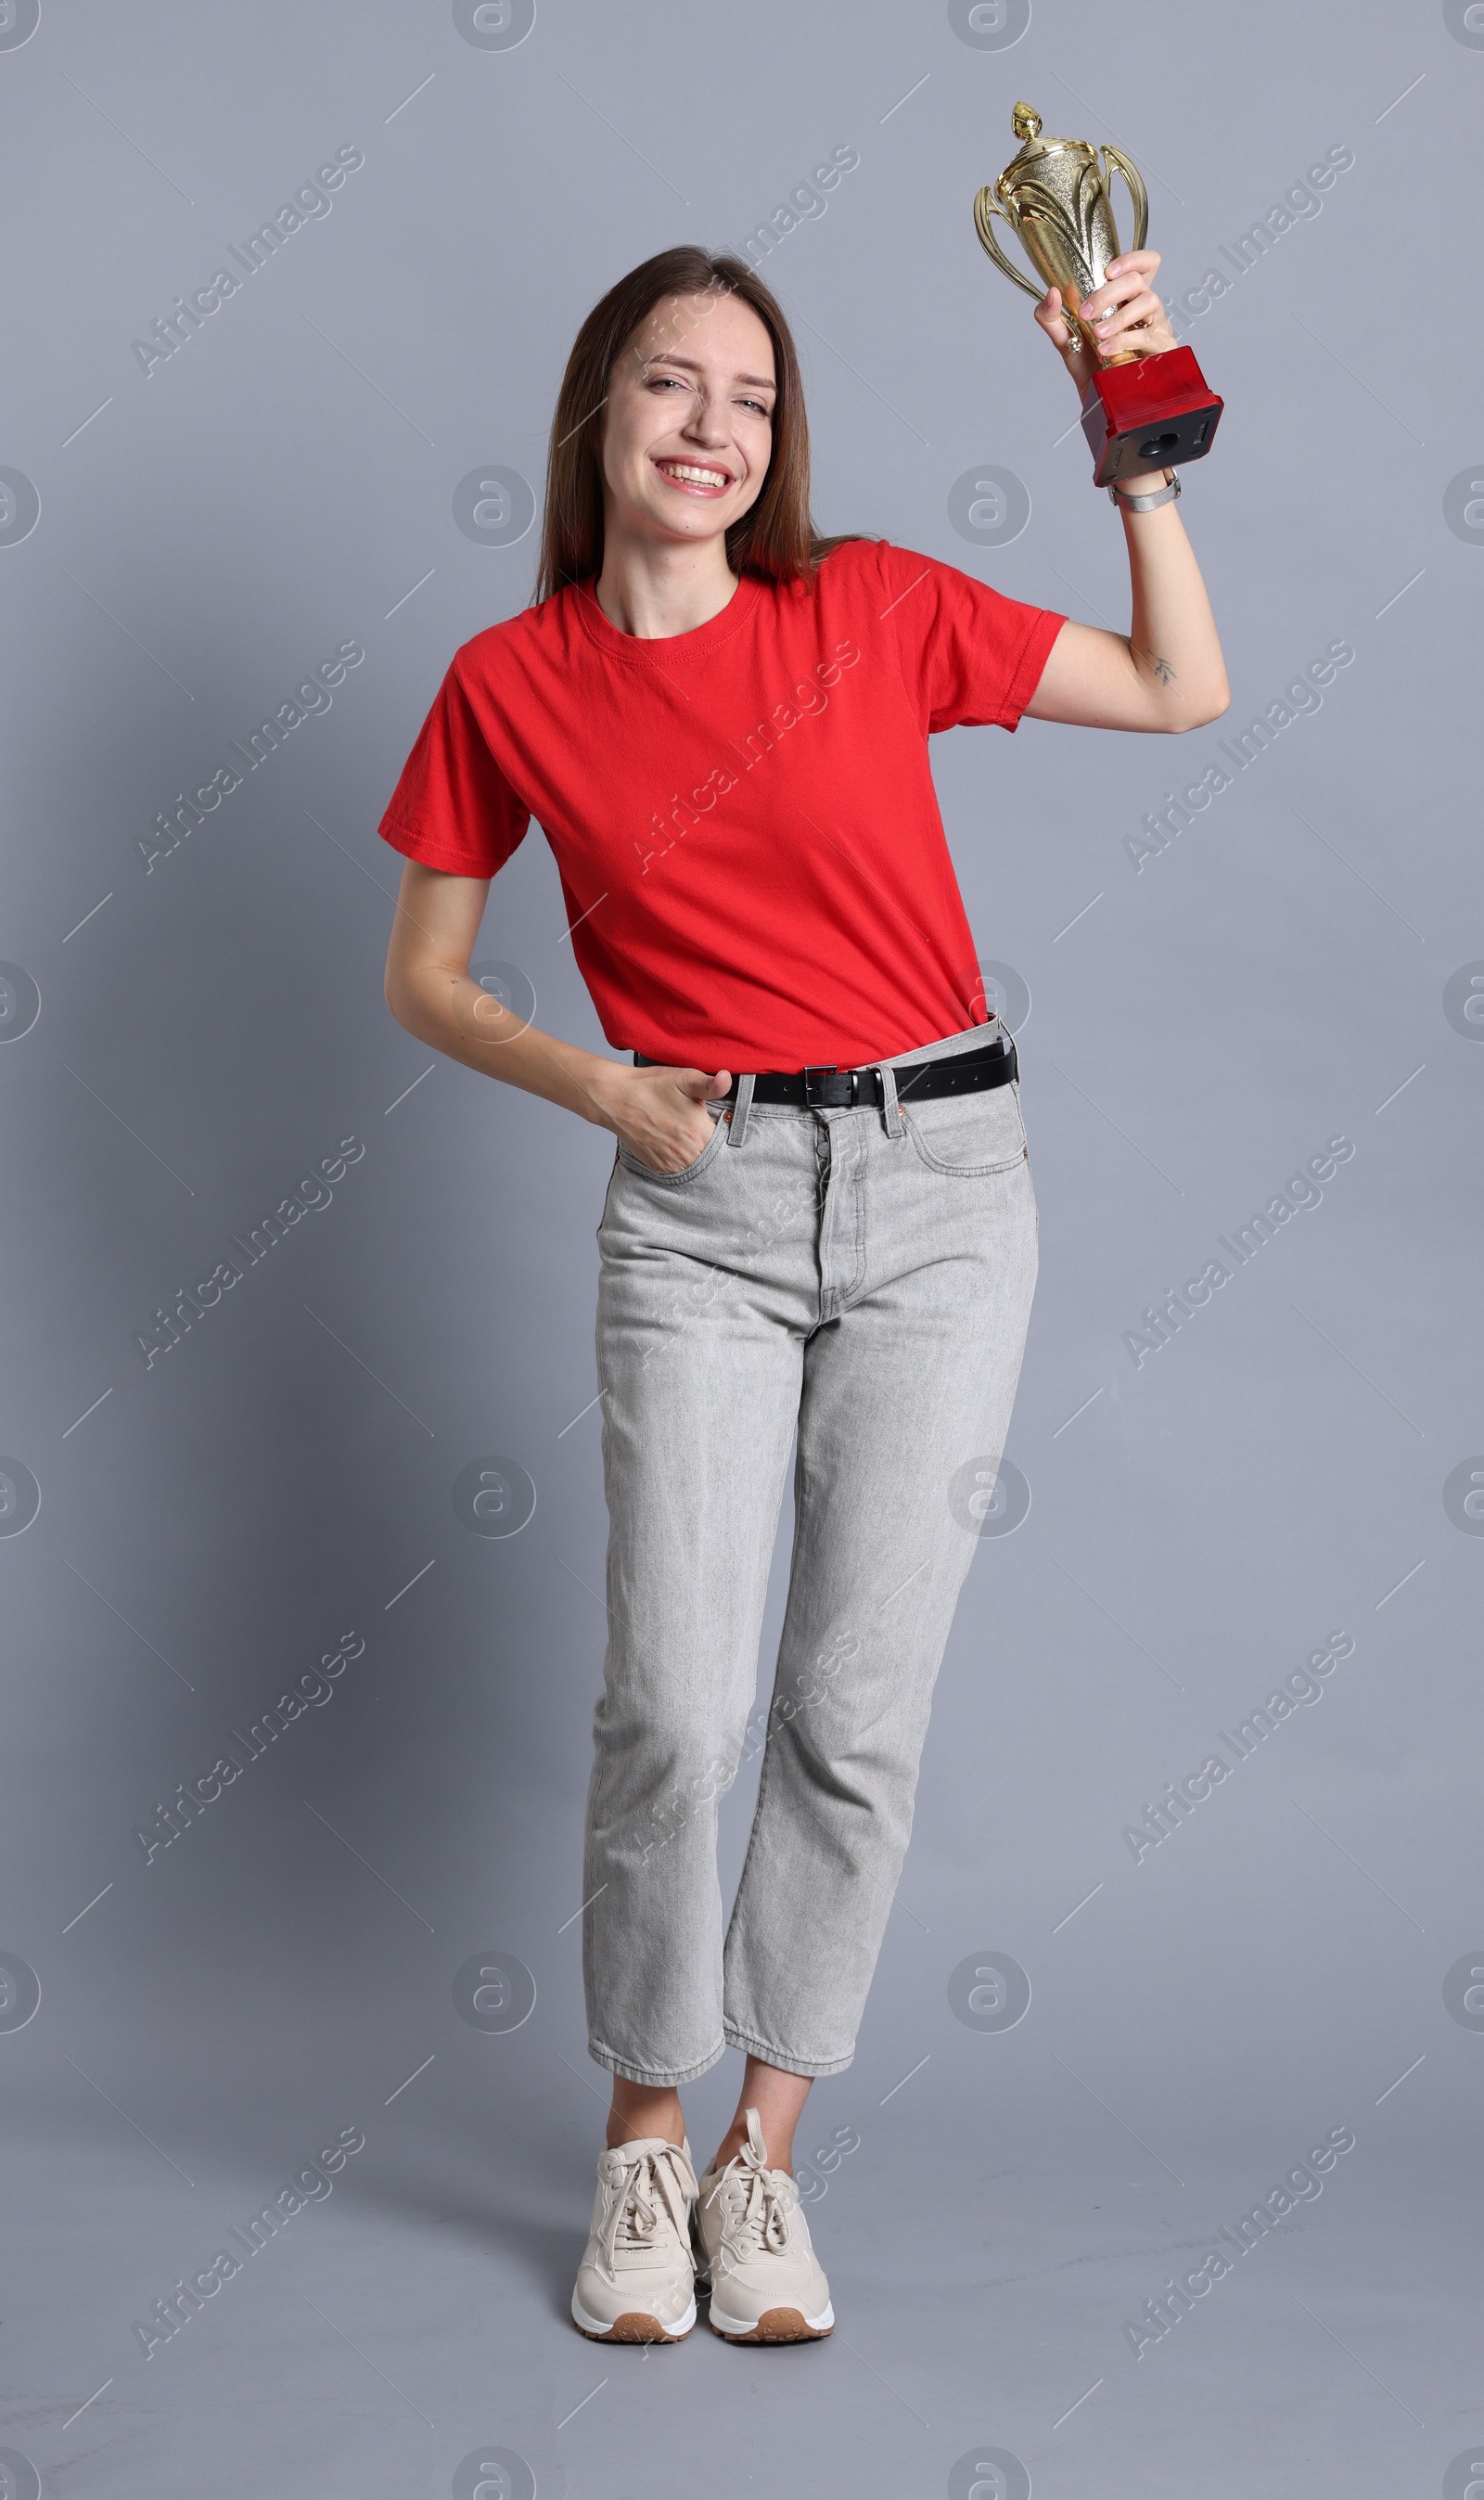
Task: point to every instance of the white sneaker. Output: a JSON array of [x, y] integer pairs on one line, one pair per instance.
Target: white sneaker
[[767, 2286], [636, 2283]]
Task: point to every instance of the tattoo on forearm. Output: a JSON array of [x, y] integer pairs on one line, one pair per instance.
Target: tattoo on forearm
[[1162, 669]]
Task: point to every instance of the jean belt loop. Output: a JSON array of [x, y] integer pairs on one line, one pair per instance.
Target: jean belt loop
[[741, 1112], [891, 1110]]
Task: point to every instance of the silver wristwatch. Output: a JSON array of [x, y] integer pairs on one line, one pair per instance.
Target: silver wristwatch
[[1169, 493]]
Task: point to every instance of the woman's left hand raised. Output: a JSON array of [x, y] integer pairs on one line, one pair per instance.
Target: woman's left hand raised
[[1123, 314]]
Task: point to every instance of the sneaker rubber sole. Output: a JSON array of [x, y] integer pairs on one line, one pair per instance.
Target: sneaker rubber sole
[[634, 2326], [775, 2326]]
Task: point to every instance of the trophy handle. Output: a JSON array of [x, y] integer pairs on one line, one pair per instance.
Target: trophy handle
[[1114, 157], [985, 207]]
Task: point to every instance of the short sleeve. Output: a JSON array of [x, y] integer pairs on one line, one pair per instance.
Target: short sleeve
[[454, 807], [969, 656]]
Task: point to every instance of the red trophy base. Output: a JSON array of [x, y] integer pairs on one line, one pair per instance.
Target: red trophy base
[[1150, 414]]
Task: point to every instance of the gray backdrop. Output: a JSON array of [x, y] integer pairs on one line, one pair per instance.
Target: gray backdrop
[[343, 1940]]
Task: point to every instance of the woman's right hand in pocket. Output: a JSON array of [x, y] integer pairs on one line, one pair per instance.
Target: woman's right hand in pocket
[[659, 1113]]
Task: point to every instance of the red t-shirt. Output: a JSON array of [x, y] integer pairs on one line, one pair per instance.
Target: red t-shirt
[[752, 861]]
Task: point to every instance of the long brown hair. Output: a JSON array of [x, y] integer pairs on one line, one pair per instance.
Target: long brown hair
[[778, 537]]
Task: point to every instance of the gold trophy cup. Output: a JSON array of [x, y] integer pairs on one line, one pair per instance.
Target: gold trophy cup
[[1140, 412]]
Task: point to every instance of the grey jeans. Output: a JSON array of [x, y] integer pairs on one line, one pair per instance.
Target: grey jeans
[[863, 1276]]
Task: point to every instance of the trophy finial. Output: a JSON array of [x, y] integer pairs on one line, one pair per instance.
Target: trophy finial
[[1025, 121]]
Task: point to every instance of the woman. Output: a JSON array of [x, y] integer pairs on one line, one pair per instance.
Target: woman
[[820, 1216]]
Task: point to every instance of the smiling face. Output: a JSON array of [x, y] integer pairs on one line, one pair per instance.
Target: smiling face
[[689, 426]]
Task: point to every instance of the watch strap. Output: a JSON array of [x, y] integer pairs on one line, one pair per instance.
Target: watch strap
[[1169, 493]]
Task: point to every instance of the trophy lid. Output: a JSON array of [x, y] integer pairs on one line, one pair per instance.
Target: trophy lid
[[1027, 125]]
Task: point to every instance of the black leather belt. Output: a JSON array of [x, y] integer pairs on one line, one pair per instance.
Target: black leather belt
[[842, 1089]]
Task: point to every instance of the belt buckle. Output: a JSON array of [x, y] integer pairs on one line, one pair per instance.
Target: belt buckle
[[826, 1089]]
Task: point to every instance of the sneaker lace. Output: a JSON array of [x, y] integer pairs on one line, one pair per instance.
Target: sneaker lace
[[649, 2189], [755, 2202]]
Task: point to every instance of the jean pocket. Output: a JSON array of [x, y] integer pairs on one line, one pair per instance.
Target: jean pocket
[[687, 1171], [968, 1135]]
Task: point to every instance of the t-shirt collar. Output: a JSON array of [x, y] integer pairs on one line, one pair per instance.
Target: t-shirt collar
[[665, 648]]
